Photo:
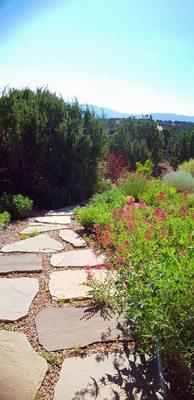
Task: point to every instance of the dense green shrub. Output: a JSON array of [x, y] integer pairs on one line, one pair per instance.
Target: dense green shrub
[[187, 166], [146, 168], [49, 149], [93, 214], [102, 185], [133, 184], [4, 218], [180, 180], [112, 198], [17, 205]]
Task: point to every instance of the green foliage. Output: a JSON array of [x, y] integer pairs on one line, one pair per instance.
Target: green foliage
[[137, 140], [21, 205], [146, 168], [112, 198], [4, 218], [151, 247], [179, 143], [98, 211], [133, 185], [49, 149], [28, 235], [93, 214], [180, 180], [17, 205], [155, 186], [102, 290], [187, 166], [102, 185]]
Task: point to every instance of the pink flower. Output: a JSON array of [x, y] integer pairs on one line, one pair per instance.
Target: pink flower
[[183, 211], [120, 260], [97, 229], [161, 214], [142, 204], [90, 276], [163, 233], [171, 210], [185, 193], [130, 201], [161, 195], [148, 236]]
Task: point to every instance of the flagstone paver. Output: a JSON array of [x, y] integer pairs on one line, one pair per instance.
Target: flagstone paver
[[16, 296], [60, 211], [22, 370], [77, 258], [66, 327], [72, 237], [41, 228], [59, 219], [108, 377], [20, 263], [68, 210], [41, 243], [70, 284]]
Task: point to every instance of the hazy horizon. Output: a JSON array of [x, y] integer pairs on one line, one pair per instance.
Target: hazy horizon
[[134, 57]]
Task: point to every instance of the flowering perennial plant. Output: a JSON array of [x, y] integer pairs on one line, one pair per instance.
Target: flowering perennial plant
[[151, 248]]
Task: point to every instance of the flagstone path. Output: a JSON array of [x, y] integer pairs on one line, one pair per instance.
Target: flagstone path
[[41, 243], [16, 296], [58, 219], [72, 237], [41, 330], [71, 284], [21, 263], [79, 258], [22, 370]]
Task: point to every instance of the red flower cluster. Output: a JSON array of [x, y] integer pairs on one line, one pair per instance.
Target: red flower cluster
[[185, 193], [163, 233], [120, 260], [161, 195], [148, 236], [160, 214], [171, 210], [142, 204], [183, 211], [90, 275]]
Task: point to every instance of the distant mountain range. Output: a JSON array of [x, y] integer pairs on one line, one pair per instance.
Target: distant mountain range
[[156, 116]]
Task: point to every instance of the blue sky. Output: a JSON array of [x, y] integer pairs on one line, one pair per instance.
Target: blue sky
[[135, 56]]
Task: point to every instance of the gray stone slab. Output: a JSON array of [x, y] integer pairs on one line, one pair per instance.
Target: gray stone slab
[[72, 237], [20, 263], [59, 219], [64, 328], [109, 377], [22, 370], [60, 211], [41, 243], [16, 296], [77, 258], [70, 284], [41, 228]]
